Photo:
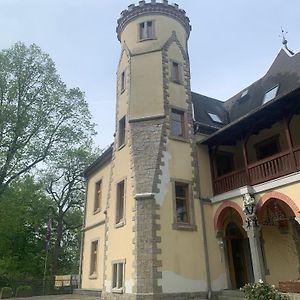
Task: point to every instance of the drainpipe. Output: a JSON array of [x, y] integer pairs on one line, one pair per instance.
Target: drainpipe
[[209, 291]]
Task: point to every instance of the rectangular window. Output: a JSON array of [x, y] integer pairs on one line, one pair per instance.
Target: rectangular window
[[146, 30], [118, 272], [176, 72], [183, 206], [182, 202], [120, 205], [123, 81], [98, 196], [267, 147], [122, 131], [94, 259], [271, 94], [177, 123]]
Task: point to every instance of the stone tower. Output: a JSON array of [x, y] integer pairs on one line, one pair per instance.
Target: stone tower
[[154, 151]]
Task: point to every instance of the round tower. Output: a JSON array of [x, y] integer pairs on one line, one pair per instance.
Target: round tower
[[154, 150]]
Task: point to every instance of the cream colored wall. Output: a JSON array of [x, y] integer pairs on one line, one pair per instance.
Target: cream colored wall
[[205, 176], [164, 26], [103, 175], [91, 235], [146, 94], [294, 128], [265, 134], [120, 239]]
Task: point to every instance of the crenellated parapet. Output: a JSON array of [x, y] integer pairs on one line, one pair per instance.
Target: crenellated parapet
[[148, 8]]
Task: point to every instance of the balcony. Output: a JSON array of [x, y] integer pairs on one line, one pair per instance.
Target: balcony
[[275, 166]]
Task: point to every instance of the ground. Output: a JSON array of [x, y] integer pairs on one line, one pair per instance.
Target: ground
[[61, 297]]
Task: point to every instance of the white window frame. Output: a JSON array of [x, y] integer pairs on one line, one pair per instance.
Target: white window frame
[[119, 286]]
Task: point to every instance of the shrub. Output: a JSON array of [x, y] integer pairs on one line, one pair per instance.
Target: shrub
[[6, 292], [262, 291], [24, 291]]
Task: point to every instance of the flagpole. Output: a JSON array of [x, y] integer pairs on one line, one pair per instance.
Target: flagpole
[[48, 237], [45, 271]]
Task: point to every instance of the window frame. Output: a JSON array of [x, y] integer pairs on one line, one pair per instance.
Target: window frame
[[123, 82], [148, 36], [122, 132], [118, 289], [120, 221], [182, 113], [97, 208], [275, 139], [94, 260], [179, 78], [190, 225]]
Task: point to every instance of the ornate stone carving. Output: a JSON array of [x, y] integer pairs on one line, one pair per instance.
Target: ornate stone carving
[[249, 208]]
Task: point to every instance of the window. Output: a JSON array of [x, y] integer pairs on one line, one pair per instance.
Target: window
[[271, 94], [176, 72], [215, 118], [120, 205], [118, 274], [224, 163], [94, 259], [267, 147], [183, 209], [122, 131], [177, 123], [244, 93], [146, 30], [98, 196], [123, 81]]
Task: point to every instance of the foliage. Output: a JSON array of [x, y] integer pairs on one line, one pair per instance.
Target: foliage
[[262, 291], [6, 292], [39, 116], [23, 215], [24, 291]]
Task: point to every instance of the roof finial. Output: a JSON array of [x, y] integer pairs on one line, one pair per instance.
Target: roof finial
[[284, 41]]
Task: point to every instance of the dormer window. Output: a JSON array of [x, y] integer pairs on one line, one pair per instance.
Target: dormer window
[[271, 94], [215, 118], [146, 30]]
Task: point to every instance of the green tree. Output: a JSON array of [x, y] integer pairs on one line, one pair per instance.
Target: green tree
[[65, 184], [39, 116], [23, 217]]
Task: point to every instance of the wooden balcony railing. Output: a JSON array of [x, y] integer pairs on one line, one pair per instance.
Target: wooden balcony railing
[[270, 168]]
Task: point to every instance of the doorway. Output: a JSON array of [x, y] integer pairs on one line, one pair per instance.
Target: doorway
[[238, 252]]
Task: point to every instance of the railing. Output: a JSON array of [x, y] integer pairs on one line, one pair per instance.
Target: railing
[[230, 181], [270, 168]]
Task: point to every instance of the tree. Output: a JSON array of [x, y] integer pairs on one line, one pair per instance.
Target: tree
[[39, 116], [65, 184], [23, 216]]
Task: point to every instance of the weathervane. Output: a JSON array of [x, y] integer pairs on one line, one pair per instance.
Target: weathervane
[[284, 40]]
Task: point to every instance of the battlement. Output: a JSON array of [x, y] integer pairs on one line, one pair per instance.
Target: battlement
[[153, 7]]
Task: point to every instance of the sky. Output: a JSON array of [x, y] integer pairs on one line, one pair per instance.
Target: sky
[[232, 44]]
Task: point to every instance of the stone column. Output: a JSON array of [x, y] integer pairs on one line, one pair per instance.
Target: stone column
[[253, 232]]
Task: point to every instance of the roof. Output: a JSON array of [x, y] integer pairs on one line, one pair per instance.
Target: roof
[[105, 157], [284, 73]]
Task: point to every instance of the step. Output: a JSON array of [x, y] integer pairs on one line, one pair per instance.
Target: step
[[88, 292], [230, 298], [234, 293]]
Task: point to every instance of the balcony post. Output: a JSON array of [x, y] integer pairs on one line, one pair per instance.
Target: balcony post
[[287, 131], [245, 155], [253, 232]]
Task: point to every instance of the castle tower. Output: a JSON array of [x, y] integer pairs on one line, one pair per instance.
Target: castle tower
[[152, 244]]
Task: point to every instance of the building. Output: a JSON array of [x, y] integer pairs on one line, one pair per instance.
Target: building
[[195, 195]]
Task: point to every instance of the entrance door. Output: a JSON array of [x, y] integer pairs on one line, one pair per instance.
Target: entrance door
[[237, 246]]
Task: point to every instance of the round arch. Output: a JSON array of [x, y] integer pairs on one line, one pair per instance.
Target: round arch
[[218, 218], [278, 196]]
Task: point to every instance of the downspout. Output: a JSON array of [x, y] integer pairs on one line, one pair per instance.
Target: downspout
[[209, 291], [82, 237]]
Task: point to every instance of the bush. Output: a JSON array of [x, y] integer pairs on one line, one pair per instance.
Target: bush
[[24, 291], [6, 292], [262, 291]]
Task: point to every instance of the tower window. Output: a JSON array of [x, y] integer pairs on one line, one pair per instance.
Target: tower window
[[118, 274], [146, 30], [177, 123], [176, 72], [120, 205], [122, 131], [123, 81]]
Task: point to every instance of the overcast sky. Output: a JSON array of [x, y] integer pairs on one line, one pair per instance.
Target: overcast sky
[[232, 44]]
